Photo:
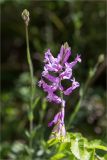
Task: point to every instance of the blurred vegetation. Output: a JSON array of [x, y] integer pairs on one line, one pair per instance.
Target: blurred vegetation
[[83, 25]]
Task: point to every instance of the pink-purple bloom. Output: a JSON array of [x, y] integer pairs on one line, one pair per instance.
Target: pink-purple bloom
[[63, 70], [58, 121], [55, 71]]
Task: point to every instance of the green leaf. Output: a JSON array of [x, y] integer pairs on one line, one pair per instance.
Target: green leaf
[[75, 148], [52, 141], [79, 150], [44, 104], [92, 153], [71, 157], [105, 156], [28, 150], [58, 156], [77, 135], [82, 149], [35, 102], [104, 148], [97, 144], [17, 147], [86, 155], [64, 146], [27, 134]]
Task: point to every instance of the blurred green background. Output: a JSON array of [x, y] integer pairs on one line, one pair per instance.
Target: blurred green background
[[83, 25]]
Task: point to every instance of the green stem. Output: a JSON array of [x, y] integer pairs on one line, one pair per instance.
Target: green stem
[[75, 112], [32, 91], [88, 81], [29, 60], [61, 94]]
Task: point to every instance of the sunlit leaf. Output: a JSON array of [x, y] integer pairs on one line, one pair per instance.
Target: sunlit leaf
[[52, 141], [58, 156], [75, 148], [97, 144]]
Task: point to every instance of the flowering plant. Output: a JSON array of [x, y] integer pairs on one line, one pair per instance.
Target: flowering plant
[[68, 145], [62, 70]]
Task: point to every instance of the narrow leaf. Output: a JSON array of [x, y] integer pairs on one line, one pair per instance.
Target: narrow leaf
[[58, 156], [52, 141], [35, 102]]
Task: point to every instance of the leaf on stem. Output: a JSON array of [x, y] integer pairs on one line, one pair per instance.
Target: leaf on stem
[[35, 102]]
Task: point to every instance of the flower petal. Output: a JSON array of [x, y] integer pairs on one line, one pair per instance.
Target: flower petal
[[50, 77], [55, 120], [53, 67], [66, 55], [66, 74], [59, 117], [60, 55], [53, 98], [70, 89], [46, 87], [48, 57], [72, 64]]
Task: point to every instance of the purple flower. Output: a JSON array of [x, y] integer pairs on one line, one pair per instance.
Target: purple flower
[[58, 121], [64, 54], [56, 70], [53, 98], [73, 86]]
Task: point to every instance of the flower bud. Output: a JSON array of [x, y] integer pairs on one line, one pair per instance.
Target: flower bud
[[25, 16], [101, 58], [66, 45]]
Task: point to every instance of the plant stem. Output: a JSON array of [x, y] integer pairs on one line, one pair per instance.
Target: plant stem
[[61, 94], [87, 83], [32, 91], [29, 60]]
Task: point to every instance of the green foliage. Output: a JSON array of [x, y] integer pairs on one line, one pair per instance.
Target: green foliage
[[75, 146]]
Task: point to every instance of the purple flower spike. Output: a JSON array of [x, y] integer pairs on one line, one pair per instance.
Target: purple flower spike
[[62, 69], [55, 71]]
